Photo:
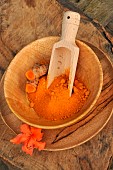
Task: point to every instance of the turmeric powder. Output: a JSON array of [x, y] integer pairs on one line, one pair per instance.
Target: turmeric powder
[[54, 103]]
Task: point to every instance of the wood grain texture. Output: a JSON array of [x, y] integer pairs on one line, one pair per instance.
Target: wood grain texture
[[96, 11], [99, 10], [22, 22], [109, 27]]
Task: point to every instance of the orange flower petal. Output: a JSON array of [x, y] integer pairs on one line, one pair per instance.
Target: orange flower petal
[[24, 128], [40, 145], [36, 133], [19, 139], [28, 150], [31, 142], [35, 130]]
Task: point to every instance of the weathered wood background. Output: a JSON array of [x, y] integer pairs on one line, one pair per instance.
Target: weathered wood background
[[100, 10], [100, 13], [23, 21]]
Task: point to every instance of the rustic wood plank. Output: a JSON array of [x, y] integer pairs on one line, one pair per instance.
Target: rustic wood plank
[[105, 28], [109, 27], [95, 9]]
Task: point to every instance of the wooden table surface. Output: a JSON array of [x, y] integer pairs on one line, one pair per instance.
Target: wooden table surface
[[21, 22]]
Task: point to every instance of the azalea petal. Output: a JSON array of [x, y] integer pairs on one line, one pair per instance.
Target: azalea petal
[[35, 130], [31, 142], [19, 139], [36, 133], [40, 145], [28, 150], [24, 128]]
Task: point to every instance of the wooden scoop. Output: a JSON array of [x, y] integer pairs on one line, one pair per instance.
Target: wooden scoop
[[65, 53]]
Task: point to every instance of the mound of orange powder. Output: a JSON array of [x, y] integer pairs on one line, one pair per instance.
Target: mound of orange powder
[[54, 103]]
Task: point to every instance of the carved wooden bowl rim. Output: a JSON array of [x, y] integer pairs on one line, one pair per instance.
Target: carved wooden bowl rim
[[73, 120]]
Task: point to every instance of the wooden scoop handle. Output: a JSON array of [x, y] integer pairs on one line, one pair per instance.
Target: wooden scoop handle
[[70, 26]]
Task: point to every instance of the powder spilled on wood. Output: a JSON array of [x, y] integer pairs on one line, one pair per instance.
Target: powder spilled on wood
[[54, 103]]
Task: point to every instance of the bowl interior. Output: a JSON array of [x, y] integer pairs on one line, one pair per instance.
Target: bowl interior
[[88, 70]]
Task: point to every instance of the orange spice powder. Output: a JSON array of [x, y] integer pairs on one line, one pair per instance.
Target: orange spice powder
[[54, 103]]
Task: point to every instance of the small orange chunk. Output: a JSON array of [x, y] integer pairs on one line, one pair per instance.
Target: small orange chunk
[[31, 104], [75, 90], [30, 75], [30, 88], [76, 82], [87, 93], [62, 81]]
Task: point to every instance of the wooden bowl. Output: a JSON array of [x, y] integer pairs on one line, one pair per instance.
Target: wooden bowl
[[88, 70]]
